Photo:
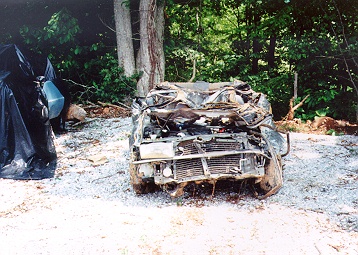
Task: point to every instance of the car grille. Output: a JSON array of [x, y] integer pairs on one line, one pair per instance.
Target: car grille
[[188, 168], [189, 148], [230, 164], [223, 164]]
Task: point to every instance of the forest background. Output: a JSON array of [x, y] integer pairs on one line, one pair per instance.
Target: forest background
[[266, 43]]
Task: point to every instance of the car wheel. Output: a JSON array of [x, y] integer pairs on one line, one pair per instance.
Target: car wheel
[[272, 181], [139, 186]]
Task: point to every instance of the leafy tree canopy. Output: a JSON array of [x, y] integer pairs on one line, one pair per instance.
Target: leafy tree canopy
[[262, 42]]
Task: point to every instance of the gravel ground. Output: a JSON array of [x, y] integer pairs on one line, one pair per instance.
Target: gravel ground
[[90, 208]]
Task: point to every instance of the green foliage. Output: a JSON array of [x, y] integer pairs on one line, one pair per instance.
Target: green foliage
[[277, 89], [106, 81], [262, 42], [61, 30], [334, 133], [57, 40], [114, 85], [233, 39], [94, 65], [187, 41]]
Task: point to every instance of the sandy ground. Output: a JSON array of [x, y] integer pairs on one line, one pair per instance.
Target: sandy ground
[[90, 208]]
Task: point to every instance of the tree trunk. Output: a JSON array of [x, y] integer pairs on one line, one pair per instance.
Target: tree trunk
[[248, 19], [160, 22], [256, 47], [271, 52], [255, 59], [124, 37], [150, 60]]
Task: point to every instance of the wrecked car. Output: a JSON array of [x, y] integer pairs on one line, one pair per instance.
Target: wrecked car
[[204, 132]]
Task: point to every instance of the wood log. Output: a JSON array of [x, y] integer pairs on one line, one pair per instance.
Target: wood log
[[76, 112]]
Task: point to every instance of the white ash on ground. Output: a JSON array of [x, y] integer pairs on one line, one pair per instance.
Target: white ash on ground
[[89, 206]]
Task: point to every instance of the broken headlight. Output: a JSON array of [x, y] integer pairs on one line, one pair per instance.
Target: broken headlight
[[156, 150]]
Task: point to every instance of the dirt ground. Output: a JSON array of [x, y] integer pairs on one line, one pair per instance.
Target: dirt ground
[[89, 206]]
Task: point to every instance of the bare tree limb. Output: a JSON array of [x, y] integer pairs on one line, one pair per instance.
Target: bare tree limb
[[177, 72], [291, 111], [194, 70], [300, 103], [113, 105], [107, 26], [343, 32]]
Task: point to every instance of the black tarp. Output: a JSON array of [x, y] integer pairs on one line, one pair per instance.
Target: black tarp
[[27, 149]]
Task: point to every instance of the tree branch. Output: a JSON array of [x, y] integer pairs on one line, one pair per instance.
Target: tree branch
[[291, 111], [194, 70], [300, 103], [107, 26]]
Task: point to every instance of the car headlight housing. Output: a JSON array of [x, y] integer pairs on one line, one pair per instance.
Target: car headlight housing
[[156, 150]]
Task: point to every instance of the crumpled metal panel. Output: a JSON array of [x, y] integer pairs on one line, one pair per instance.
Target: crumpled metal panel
[[197, 132], [181, 105]]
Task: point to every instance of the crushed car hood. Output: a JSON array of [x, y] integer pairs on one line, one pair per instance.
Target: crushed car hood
[[230, 105]]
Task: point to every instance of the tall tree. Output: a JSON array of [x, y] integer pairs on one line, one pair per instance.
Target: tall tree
[[149, 59], [124, 37]]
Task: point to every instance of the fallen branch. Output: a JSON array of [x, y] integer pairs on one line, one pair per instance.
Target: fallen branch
[[108, 176], [84, 92], [291, 111], [113, 105], [81, 123], [194, 71]]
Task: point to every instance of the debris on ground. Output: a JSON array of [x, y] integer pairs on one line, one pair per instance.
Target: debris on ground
[[106, 111], [320, 125]]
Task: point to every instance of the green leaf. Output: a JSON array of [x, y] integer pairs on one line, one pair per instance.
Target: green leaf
[[77, 51]]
